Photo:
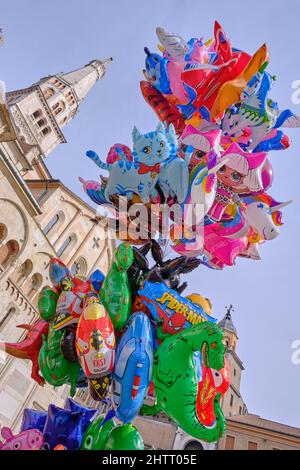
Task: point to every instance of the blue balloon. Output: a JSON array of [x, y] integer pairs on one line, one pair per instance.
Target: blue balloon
[[63, 427], [88, 413], [139, 176], [170, 310], [133, 368], [97, 278], [33, 419], [57, 271], [157, 71]]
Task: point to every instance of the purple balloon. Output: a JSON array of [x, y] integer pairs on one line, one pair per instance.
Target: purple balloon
[[87, 413], [63, 427], [33, 419]]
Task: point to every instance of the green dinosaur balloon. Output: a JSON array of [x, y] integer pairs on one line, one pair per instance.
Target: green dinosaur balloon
[[176, 381], [47, 301], [55, 369], [115, 292], [95, 436], [124, 437]]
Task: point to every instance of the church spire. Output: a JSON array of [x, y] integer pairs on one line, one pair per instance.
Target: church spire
[[65, 91], [81, 80], [42, 110]]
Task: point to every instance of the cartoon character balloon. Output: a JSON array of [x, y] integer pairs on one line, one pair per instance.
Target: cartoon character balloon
[[177, 379], [31, 439], [133, 367], [95, 339]]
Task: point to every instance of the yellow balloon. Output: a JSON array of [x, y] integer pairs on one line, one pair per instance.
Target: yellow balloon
[[203, 302]]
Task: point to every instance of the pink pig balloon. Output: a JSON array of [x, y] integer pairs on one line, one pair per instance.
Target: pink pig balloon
[[31, 439]]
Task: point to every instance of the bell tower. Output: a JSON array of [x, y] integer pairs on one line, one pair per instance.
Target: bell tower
[[232, 403], [40, 111]]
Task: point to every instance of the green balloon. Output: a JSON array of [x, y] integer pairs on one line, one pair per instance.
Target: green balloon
[[124, 437], [124, 256], [95, 436], [55, 369], [115, 292], [176, 381], [47, 301]]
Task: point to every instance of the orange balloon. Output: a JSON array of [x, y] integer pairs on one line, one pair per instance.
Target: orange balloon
[[230, 92]]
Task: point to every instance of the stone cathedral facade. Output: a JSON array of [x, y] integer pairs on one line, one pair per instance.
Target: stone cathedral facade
[[40, 218]]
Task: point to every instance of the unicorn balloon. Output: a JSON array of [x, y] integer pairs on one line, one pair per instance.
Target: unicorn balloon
[[263, 216], [258, 219], [258, 112]]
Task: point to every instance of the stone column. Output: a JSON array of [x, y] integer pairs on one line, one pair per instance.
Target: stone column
[[8, 271]]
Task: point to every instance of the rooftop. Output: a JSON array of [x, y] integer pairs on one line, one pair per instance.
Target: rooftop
[[255, 420], [226, 323]]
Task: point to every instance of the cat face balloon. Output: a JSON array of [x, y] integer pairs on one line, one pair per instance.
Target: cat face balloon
[[140, 176], [150, 148]]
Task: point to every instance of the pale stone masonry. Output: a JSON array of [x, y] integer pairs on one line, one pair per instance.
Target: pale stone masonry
[[39, 218]]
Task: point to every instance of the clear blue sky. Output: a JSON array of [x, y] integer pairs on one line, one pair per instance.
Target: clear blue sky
[[49, 37]]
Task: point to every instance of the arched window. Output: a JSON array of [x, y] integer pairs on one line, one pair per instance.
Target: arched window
[[61, 86], [75, 268], [37, 114], [51, 224], [70, 98], [25, 270], [9, 252], [64, 246], [58, 83], [58, 218], [46, 130], [37, 280], [3, 232], [48, 93], [193, 445], [59, 107], [11, 311], [41, 122], [79, 267]]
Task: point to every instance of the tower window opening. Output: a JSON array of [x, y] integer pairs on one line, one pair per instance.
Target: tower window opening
[[48, 93], [41, 122], [59, 107], [70, 240], [37, 114], [51, 224], [46, 130], [58, 83]]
